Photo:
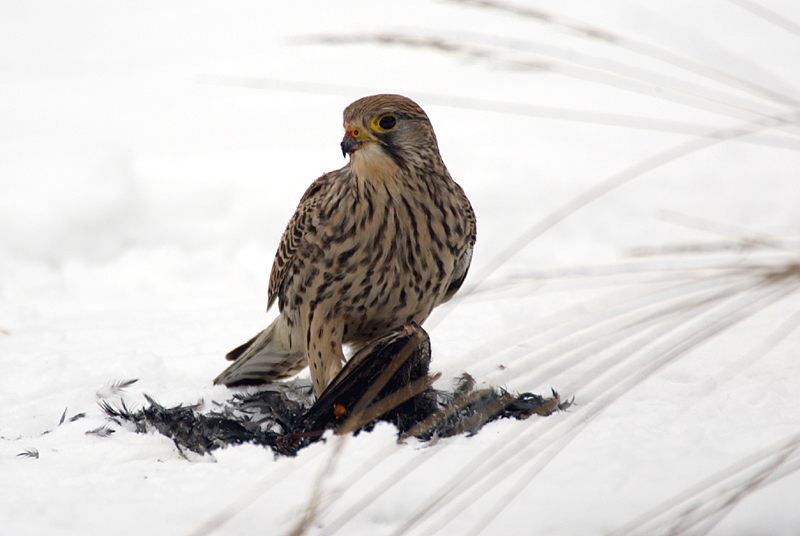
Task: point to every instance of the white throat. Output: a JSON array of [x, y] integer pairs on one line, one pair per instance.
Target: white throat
[[371, 163]]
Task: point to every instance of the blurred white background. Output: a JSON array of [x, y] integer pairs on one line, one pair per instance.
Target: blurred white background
[[151, 154]]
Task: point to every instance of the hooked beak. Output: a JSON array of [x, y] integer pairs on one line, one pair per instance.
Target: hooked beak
[[353, 138], [349, 144]]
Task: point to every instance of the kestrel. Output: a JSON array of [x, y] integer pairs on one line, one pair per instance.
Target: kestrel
[[371, 246]]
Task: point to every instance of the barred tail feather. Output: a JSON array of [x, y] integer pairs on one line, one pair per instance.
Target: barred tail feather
[[237, 352], [268, 356]]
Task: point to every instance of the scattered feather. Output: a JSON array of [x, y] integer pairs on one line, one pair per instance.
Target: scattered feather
[[285, 417], [121, 385], [101, 431], [115, 388], [29, 453]]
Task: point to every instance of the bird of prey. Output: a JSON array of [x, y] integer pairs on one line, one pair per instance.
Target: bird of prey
[[372, 246]]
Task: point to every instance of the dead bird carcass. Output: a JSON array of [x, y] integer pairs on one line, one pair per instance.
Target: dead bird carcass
[[388, 380]]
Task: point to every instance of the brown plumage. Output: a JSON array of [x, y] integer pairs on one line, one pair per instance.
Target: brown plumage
[[373, 245]]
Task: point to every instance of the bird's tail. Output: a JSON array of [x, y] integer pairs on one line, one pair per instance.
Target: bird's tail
[[268, 356]]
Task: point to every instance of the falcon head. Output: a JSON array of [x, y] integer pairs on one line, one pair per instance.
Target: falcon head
[[386, 131]]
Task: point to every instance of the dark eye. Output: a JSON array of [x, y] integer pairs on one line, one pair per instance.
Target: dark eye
[[387, 122]]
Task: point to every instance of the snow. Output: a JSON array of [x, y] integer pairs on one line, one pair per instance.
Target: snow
[[151, 154]]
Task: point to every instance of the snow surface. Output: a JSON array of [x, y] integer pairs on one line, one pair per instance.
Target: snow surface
[[152, 152]]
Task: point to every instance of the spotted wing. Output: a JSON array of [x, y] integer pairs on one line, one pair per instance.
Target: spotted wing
[[295, 237], [464, 261]]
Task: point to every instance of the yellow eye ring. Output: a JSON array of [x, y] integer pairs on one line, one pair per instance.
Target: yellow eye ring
[[383, 123]]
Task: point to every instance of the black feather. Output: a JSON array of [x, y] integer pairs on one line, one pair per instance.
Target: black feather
[[285, 418]]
